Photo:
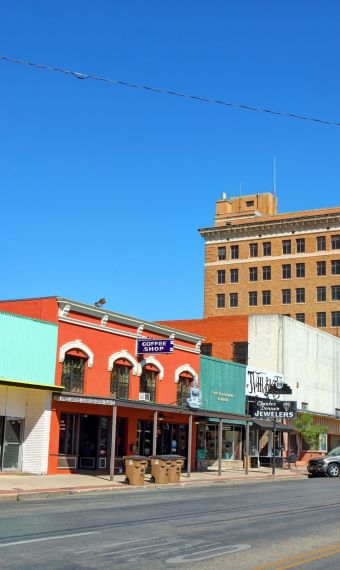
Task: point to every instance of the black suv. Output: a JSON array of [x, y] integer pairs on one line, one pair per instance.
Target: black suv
[[328, 465]]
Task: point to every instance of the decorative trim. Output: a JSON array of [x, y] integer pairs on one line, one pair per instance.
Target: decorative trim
[[64, 311], [104, 320], [154, 362], [285, 258], [79, 345], [186, 368], [136, 370]]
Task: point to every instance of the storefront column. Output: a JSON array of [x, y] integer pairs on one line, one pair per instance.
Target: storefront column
[[246, 451], [220, 428], [113, 443], [189, 446], [154, 434]]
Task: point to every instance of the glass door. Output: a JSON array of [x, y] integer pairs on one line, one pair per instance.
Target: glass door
[[11, 454]]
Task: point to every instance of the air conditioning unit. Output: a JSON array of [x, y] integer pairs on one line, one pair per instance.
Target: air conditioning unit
[[144, 396]]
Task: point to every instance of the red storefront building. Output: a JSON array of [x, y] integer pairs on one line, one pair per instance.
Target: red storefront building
[[116, 402]]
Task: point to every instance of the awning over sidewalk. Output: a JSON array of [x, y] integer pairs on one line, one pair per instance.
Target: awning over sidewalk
[[265, 424], [30, 385]]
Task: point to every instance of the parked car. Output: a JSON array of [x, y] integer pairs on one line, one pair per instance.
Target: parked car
[[328, 465]]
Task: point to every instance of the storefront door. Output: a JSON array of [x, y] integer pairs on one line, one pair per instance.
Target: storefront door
[[88, 441], [10, 442]]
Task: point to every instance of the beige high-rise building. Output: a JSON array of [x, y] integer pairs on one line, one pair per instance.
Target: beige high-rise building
[[260, 261]]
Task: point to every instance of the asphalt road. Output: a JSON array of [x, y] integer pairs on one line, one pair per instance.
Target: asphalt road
[[267, 525]]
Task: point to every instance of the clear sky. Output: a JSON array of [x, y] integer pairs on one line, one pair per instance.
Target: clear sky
[[104, 187]]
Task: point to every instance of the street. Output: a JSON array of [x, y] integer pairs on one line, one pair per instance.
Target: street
[[271, 525]]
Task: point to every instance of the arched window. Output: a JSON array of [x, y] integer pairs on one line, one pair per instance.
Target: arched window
[[72, 377], [148, 381], [120, 377], [185, 382]]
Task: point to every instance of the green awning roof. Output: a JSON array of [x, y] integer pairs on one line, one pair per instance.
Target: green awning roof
[[30, 385]]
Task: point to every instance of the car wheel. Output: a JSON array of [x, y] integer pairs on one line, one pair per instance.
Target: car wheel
[[333, 470]]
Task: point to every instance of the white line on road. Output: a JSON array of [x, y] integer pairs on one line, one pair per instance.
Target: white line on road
[[105, 545], [208, 553], [43, 539], [128, 550]]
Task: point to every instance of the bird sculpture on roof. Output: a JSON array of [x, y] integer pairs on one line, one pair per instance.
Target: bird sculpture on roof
[[100, 303]]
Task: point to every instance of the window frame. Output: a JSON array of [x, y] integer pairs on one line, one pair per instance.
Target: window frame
[[321, 268], [253, 249], [221, 277], [300, 245], [234, 251], [233, 296], [335, 240], [266, 248], [286, 244], [300, 291], [335, 289], [300, 270], [121, 391], [321, 294], [321, 319], [266, 269], [266, 294], [335, 315], [220, 301], [233, 272], [286, 296], [73, 384], [321, 243], [252, 295], [253, 274], [285, 267], [221, 253], [335, 264]]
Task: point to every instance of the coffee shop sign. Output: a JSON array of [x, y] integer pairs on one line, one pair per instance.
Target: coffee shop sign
[[222, 396], [260, 383]]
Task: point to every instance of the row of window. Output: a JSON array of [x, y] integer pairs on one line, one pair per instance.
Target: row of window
[[300, 272], [73, 373], [286, 297], [300, 247], [321, 318]]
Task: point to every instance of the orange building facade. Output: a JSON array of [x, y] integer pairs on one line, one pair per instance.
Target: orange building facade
[[116, 402]]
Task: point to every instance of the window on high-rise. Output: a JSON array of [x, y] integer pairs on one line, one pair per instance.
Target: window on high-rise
[[267, 248], [252, 273], [233, 299], [266, 297], [240, 352], [335, 267], [335, 242], [321, 294], [286, 296], [300, 245], [286, 246], [301, 317], [335, 315], [252, 298], [286, 271], [300, 295], [300, 270], [220, 276], [221, 253], [234, 251], [253, 250], [320, 268], [321, 319], [234, 276], [321, 243], [266, 273], [220, 300], [335, 293]]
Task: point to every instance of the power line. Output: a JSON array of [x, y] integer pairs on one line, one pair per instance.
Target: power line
[[79, 75]]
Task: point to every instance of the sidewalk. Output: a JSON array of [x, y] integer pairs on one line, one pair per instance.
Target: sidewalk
[[21, 486]]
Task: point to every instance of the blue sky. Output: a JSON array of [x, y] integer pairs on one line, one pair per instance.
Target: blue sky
[[104, 187]]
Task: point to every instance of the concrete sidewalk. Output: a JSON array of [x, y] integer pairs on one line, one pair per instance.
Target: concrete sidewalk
[[21, 486]]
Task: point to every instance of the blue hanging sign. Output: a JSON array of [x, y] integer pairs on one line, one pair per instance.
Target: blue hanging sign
[[154, 346]]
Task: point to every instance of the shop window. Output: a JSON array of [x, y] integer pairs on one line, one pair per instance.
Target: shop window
[[119, 385], [183, 389], [206, 348], [73, 373], [67, 434], [240, 352], [147, 383]]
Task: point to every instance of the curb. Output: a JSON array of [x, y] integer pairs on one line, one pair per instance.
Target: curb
[[9, 496]]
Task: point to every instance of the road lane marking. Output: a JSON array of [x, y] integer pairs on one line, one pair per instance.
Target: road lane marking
[[43, 539], [208, 553], [300, 559], [128, 550], [105, 545]]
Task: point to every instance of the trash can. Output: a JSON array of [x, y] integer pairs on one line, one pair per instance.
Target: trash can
[[160, 468], [135, 466], [177, 462]]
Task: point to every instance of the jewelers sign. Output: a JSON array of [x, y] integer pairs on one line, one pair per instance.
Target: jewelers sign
[[262, 409], [154, 346]]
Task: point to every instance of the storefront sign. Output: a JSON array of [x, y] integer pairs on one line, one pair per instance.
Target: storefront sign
[[265, 409], [195, 399], [83, 400], [263, 383], [222, 396], [154, 346]]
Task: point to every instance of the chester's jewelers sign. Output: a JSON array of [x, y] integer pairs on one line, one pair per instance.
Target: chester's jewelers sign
[[262, 409], [258, 382]]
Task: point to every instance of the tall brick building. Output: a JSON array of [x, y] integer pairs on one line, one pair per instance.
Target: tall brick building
[[260, 262]]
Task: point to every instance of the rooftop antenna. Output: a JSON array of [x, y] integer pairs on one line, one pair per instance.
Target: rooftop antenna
[[274, 175]]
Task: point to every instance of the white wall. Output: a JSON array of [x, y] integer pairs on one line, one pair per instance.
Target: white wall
[[308, 358], [34, 406]]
